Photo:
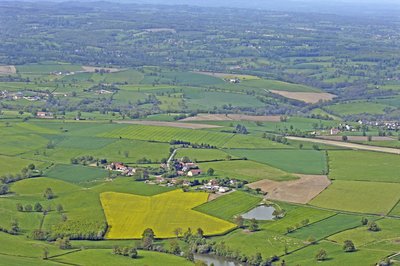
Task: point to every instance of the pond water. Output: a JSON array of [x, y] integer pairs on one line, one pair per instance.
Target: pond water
[[215, 260], [262, 212]]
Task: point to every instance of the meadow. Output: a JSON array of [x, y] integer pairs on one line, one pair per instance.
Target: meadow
[[364, 166], [129, 215], [327, 227], [226, 207], [293, 161], [336, 255], [390, 230], [357, 108], [246, 170], [76, 173], [362, 197]]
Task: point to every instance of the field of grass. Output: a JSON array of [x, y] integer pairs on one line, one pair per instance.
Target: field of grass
[[207, 100], [390, 230], [357, 108], [76, 173], [336, 255], [247, 170], [129, 215], [166, 134], [104, 257], [293, 161], [47, 68], [226, 207], [251, 142], [363, 197], [277, 85], [327, 227], [294, 216], [14, 165], [365, 166], [266, 242], [202, 154]]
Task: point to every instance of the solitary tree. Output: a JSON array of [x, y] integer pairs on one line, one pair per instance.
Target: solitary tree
[[321, 255], [348, 246], [45, 255], [210, 172], [364, 221], [372, 226], [48, 194]]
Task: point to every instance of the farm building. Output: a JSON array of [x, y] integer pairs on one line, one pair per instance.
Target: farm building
[[194, 172]]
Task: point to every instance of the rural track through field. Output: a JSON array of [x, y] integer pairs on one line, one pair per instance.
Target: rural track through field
[[353, 146]]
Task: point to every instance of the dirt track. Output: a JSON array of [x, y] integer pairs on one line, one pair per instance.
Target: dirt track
[[232, 117], [167, 124], [348, 145], [307, 97], [302, 190]]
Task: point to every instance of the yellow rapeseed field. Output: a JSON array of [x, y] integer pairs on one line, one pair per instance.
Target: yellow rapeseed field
[[129, 215]]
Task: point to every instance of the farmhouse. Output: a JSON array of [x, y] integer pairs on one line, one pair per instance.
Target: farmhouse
[[121, 167], [194, 172], [44, 115]]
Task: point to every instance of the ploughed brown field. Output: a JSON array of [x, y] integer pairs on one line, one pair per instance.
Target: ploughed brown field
[[308, 97], [301, 190], [7, 70]]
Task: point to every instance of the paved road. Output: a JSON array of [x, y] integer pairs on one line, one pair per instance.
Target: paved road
[[348, 145]]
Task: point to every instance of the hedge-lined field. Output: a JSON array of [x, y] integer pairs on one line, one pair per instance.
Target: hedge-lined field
[[363, 197], [226, 207], [129, 215], [365, 166], [166, 134], [247, 170], [293, 161]]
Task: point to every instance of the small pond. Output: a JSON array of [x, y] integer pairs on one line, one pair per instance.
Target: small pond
[[262, 212], [215, 260]]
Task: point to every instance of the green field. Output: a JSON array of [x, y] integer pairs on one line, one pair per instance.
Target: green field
[[202, 154], [390, 230], [327, 227], [166, 134], [76, 173], [105, 257], [247, 170], [357, 108], [364, 166], [226, 207], [336, 255], [266, 242], [293, 161], [363, 197], [295, 214]]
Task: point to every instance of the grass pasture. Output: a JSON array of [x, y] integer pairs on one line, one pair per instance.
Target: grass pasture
[[364, 166], [336, 255], [129, 215], [293, 161], [362, 197], [76, 173], [166, 134], [390, 230], [353, 108], [327, 227], [247, 170], [95, 257], [227, 206]]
